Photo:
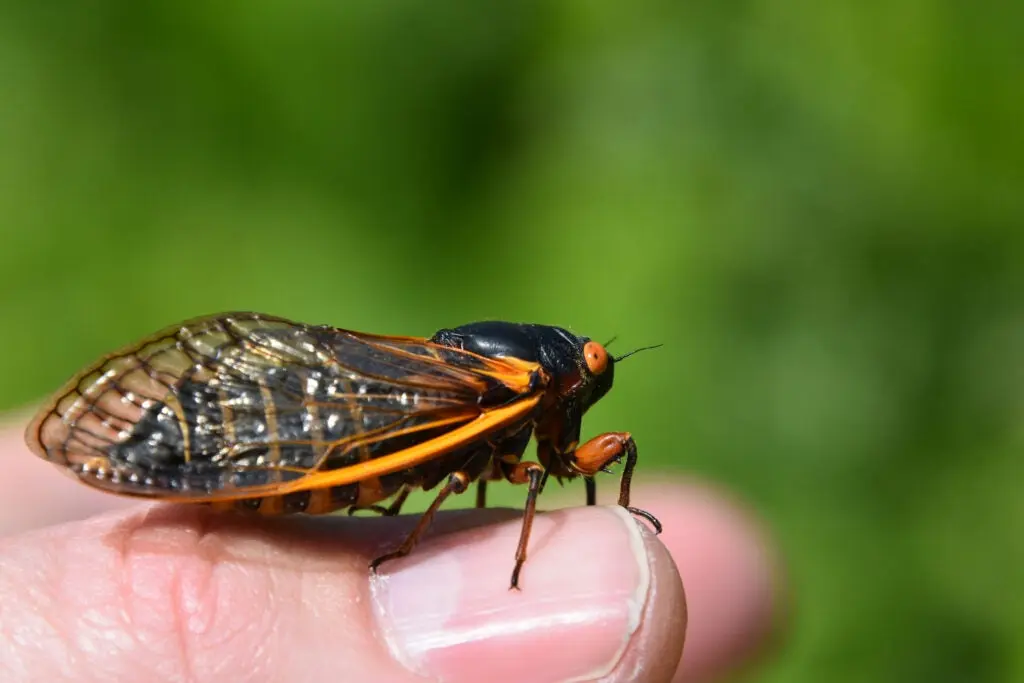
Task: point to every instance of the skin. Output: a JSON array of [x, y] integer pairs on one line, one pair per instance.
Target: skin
[[98, 588]]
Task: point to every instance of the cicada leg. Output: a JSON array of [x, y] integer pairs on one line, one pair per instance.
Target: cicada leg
[[457, 483], [392, 510], [494, 472], [481, 493], [531, 473], [598, 454], [507, 454]]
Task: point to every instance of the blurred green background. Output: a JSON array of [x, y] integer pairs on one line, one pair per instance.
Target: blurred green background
[[818, 208]]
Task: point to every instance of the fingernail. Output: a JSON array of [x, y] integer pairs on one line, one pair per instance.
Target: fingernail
[[446, 611]]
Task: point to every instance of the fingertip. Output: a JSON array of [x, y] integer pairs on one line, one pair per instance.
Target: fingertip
[[732, 574], [600, 599], [654, 653]]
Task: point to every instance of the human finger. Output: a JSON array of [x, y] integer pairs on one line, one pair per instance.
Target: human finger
[[733, 578], [178, 592], [35, 493]]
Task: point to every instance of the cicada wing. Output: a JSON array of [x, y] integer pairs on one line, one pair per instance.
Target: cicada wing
[[243, 404]]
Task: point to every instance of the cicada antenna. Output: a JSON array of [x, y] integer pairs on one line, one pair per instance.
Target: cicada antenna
[[630, 353]]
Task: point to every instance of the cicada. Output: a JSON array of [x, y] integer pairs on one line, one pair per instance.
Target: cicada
[[258, 413]]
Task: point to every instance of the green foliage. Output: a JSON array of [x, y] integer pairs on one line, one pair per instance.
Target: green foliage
[[816, 206]]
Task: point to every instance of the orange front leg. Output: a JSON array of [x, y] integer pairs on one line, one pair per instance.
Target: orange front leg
[[598, 454]]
